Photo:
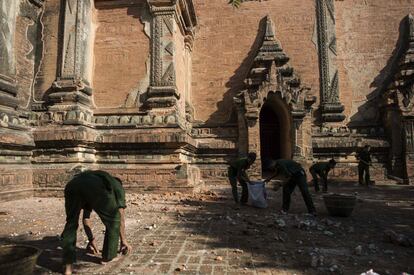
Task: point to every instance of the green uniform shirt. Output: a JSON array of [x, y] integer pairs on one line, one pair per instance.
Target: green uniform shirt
[[321, 168], [365, 156], [111, 184], [288, 167], [98, 191], [238, 164]]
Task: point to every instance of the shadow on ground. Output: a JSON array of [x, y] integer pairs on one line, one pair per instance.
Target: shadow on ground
[[50, 258], [208, 234], [262, 239]]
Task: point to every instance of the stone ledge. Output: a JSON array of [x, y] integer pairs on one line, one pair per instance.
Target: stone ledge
[[14, 138], [71, 133], [16, 194]]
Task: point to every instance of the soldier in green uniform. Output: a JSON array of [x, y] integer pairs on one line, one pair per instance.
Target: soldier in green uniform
[[364, 157], [321, 169], [98, 191], [296, 176], [237, 173]]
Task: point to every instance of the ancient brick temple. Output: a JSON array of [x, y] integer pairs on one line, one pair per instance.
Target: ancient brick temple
[[162, 93]]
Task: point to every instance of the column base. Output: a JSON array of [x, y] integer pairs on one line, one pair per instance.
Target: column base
[[332, 112], [161, 97], [69, 91], [8, 101], [8, 92]]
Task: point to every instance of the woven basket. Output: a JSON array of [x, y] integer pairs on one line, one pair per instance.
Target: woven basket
[[18, 259], [339, 205]]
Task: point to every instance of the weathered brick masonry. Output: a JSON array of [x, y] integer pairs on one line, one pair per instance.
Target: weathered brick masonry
[[163, 93]]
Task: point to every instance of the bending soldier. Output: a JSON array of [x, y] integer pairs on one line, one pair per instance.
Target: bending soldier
[[321, 169], [237, 173], [98, 191], [296, 176]]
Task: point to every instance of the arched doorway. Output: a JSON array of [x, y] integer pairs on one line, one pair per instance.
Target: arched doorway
[[269, 136], [271, 110]]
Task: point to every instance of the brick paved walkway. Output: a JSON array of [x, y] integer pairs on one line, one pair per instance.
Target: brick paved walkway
[[208, 234]]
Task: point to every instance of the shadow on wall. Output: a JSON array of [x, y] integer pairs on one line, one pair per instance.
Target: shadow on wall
[[368, 114], [236, 83]]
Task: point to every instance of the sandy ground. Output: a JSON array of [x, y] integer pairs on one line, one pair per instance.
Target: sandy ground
[[208, 234]]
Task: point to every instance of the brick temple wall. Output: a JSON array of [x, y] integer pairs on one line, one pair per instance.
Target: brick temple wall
[[121, 51], [180, 67], [367, 35], [226, 43], [151, 155], [16, 141]]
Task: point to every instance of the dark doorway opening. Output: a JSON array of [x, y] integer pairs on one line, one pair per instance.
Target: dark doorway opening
[[269, 137]]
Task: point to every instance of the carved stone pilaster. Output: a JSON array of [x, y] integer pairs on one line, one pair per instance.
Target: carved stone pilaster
[[330, 104], [162, 91], [408, 125], [8, 85], [167, 15], [72, 87]]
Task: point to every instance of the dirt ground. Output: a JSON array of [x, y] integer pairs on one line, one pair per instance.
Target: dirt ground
[[207, 233]]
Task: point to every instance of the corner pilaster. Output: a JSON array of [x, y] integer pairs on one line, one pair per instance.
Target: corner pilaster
[[8, 84], [71, 90], [167, 15], [330, 105]]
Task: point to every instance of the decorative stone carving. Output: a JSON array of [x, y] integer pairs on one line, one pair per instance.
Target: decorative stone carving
[[135, 120], [270, 72], [8, 86], [158, 120], [13, 122], [398, 107], [170, 119], [409, 136], [71, 115], [166, 16], [8, 13], [72, 82], [113, 120], [331, 107], [101, 120], [401, 89], [124, 120], [271, 78], [147, 120]]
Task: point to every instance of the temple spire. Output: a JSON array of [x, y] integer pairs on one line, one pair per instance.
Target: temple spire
[[271, 49], [270, 29]]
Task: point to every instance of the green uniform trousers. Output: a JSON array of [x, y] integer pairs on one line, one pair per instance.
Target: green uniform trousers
[[90, 192]]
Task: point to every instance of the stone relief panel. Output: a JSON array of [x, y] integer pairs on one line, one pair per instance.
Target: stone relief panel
[[330, 103], [69, 39], [77, 40], [8, 11], [172, 22], [163, 51], [86, 34], [409, 135]]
